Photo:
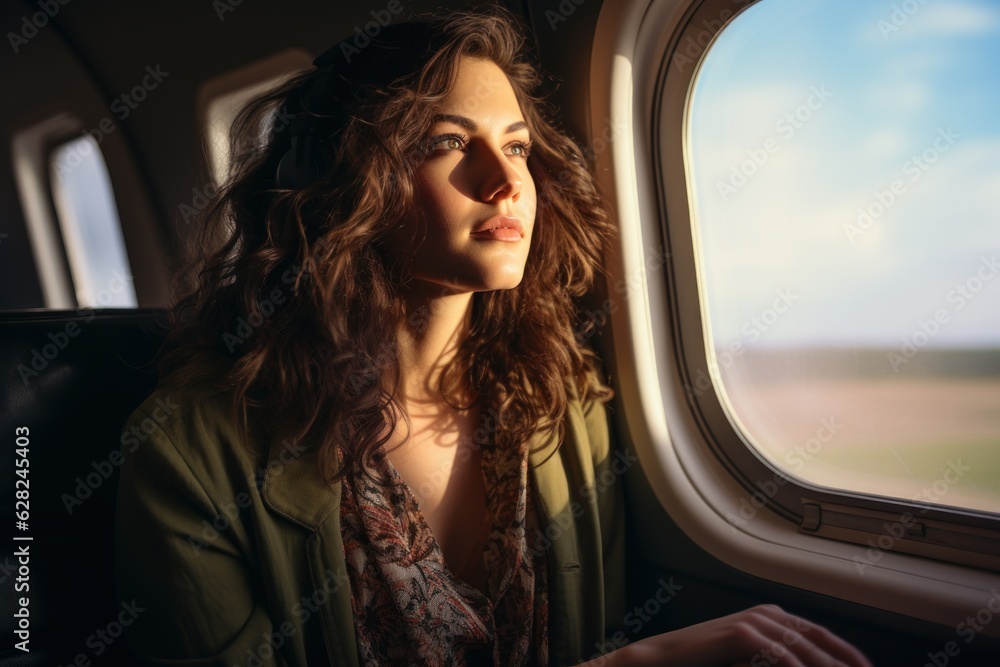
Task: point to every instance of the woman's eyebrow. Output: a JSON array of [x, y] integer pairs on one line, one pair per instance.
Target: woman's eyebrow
[[470, 125]]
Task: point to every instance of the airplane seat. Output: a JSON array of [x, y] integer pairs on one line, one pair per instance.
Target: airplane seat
[[70, 380]]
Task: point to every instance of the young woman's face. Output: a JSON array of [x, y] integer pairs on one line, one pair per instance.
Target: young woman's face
[[473, 190]]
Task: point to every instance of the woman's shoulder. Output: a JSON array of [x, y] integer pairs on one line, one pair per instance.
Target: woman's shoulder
[[168, 404], [193, 420]]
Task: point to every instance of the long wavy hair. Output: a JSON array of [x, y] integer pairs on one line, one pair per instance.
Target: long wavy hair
[[290, 300]]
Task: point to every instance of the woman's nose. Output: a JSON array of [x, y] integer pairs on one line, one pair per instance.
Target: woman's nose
[[499, 180]]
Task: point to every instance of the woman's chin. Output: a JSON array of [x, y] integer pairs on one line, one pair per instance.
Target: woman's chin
[[429, 286], [493, 279], [503, 282]]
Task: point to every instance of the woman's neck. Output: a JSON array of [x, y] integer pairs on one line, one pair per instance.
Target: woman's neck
[[428, 340]]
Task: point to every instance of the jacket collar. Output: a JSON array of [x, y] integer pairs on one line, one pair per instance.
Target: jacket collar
[[294, 487]]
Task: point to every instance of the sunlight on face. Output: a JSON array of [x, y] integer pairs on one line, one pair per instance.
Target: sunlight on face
[[473, 190]]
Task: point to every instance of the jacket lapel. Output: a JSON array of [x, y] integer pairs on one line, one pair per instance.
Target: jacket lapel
[[294, 488], [557, 523]]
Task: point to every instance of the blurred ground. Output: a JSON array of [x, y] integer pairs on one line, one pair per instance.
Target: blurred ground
[[932, 438]]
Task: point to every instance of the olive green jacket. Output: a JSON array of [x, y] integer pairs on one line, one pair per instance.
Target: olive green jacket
[[235, 561]]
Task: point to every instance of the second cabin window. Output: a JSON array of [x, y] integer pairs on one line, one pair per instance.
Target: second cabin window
[[88, 221]]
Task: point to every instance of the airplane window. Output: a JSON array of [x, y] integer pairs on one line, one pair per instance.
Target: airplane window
[[222, 98], [221, 113], [88, 219], [844, 164]]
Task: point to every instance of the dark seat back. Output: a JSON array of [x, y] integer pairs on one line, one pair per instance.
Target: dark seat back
[[70, 379]]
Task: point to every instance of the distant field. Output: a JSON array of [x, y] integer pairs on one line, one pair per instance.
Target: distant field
[[930, 436]]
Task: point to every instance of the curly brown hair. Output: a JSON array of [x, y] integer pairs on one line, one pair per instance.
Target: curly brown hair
[[292, 296]]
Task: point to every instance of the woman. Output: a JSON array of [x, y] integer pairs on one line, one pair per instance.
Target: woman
[[378, 404]]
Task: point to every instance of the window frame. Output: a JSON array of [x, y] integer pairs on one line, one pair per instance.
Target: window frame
[[58, 267], [697, 463], [31, 153]]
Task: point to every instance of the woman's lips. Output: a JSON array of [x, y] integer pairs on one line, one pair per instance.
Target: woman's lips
[[499, 228], [498, 234]]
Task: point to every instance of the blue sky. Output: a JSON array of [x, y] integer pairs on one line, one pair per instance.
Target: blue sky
[[807, 113]]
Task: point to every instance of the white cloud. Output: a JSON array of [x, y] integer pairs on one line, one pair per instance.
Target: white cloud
[[898, 95], [884, 143], [940, 19]]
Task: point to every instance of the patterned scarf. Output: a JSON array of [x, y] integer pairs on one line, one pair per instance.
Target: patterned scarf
[[409, 609]]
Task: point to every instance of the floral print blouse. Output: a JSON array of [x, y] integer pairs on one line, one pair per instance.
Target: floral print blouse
[[410, 609]]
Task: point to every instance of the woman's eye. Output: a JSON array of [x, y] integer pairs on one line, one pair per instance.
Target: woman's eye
[[447, 143], [519, 149]]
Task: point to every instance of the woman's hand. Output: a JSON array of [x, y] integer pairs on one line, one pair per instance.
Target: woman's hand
[[762, 636]]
